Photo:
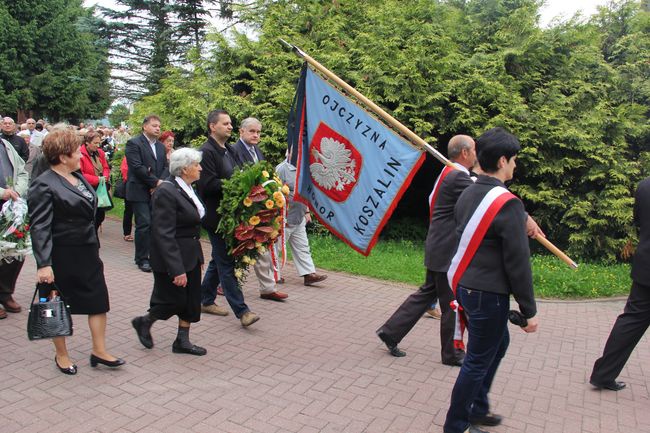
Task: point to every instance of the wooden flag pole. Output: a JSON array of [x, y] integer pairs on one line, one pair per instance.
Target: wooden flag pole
[[406, 132], [371, 105]]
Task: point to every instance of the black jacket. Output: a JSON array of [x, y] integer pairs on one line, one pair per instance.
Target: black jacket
[[502, 262], [59, 215], [217, 164], [19, 144], [441, 238], [641, 262], [175, 230], [242, 154], [144, 169]]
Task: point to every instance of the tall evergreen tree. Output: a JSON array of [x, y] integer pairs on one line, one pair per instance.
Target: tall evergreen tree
[[575, 94], [149, 36], [52, 60]]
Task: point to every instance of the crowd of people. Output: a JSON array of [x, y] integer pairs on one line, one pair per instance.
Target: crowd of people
[[72, 162], [476, 250]]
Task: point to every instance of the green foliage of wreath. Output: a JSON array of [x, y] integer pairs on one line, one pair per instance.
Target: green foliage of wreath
[[251, 213]]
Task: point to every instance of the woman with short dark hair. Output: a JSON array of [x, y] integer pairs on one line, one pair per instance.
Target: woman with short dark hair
[[62, 207]]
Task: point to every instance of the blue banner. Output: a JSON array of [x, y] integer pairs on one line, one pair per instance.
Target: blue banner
[[352, 169]]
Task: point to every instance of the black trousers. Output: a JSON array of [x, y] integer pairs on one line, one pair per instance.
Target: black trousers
[[127, 220], [142, 212], [626, 333], [408, 314], [8, 276]]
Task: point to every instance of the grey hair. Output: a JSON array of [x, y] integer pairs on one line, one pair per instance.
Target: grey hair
[[457, 144], [183, 158], [249, 121]]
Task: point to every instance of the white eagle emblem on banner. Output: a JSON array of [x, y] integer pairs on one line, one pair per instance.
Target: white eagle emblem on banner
[[334, 167]]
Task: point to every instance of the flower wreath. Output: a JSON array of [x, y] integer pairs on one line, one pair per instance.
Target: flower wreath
[[15, 241], [251, 213]]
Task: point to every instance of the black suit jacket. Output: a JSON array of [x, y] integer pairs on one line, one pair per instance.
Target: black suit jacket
[[641, 262], [502, 262], [217, 164], [59, 215], [19, 144], [144, 169], [175, 230], [440, 245], [243, 155]]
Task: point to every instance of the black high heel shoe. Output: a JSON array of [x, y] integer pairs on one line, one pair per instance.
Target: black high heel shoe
[[72, 370], [94, 360]]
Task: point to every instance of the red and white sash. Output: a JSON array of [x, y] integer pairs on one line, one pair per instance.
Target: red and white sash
[[436, 188], [470, 240]]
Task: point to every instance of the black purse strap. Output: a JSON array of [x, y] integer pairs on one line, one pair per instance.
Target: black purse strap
[[52, 286]]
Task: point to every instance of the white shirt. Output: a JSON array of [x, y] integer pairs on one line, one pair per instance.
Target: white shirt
[[37, 138], [189, 191], [152, 143]]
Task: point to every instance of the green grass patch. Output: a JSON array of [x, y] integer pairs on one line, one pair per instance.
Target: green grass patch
[[118, 208], [403, 261]]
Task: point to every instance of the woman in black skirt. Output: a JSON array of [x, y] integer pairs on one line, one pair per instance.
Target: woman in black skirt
[[176, 255], [62, 207]]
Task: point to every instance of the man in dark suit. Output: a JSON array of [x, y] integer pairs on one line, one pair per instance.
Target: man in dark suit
[[248, 152], [145, 157], [486, 271], [218, 164], [440, 246], [247, 148], [632, 324]]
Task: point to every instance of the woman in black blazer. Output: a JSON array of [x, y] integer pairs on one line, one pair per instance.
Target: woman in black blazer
[[62, 207], [176, 254]]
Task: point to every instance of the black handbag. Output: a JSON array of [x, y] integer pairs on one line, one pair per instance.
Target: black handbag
[[49, 319], [119, 190]]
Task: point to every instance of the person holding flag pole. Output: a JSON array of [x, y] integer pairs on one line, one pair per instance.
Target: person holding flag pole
[[298, 142], [491, 263], [440, 243]]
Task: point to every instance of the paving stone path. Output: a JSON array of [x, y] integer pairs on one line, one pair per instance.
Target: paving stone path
[[311, 364]]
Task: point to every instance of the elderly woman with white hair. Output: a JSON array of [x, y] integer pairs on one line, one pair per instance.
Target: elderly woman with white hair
[[176, 255]]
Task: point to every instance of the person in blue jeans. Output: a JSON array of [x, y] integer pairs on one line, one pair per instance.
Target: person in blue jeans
[[498, 267], [218, 164]]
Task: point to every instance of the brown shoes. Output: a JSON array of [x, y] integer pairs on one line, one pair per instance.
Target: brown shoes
[[214, 309], [3, 313], [248, 318], [11, 306], [434, 313], [274, 296], [313, 278]]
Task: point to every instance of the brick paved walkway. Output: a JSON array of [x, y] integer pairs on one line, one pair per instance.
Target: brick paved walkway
[[311, 364]]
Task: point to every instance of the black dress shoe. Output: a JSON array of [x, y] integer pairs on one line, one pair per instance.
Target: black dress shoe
[[144, 267], [612, 386], [454, 362], [72, 370], [143, 329], [392, 347], [94, 360], [489, 419], [194, 350]]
